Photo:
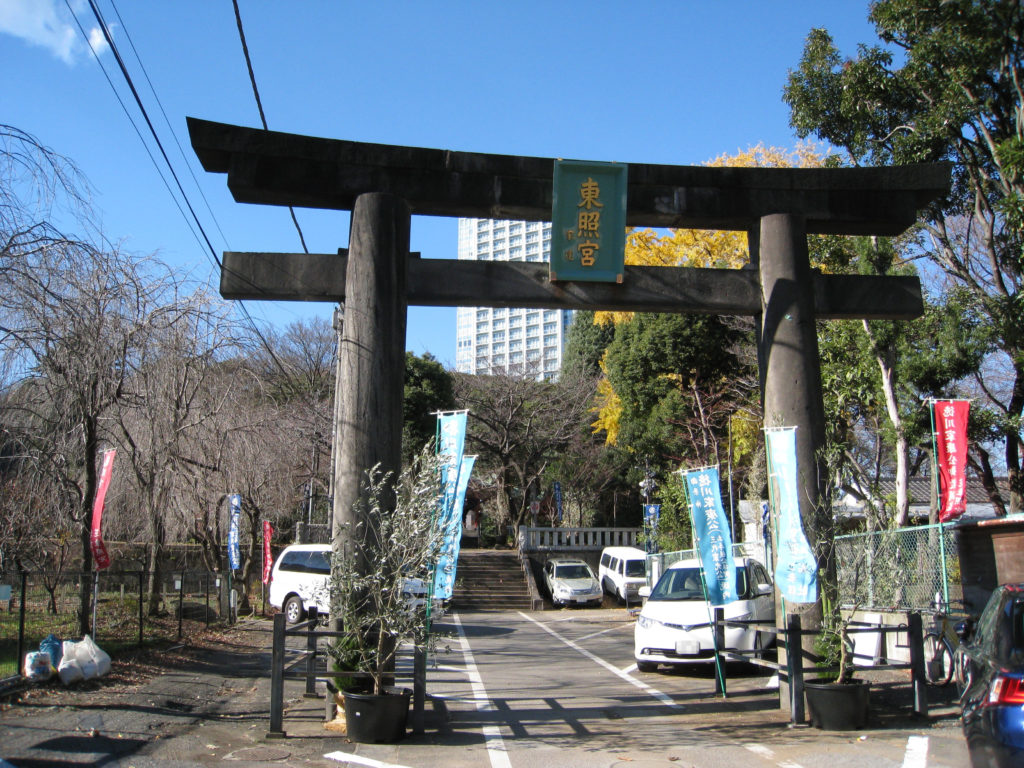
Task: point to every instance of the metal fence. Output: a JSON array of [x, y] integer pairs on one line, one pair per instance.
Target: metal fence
[[34, 605], [906, 569], [899, 570]]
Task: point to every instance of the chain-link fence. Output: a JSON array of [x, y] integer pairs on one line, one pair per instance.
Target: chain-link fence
[[906, 569], [899, 570], [128, 610]]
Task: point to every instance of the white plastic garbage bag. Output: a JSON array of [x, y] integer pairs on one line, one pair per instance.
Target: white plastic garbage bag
[[94, 660], [69, 671], [83, 660], [38, 666]]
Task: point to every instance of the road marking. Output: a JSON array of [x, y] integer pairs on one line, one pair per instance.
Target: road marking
[[762, 751], [346, 757], [916, 755], [631, 668], [440, 668], [603, 631], [492, 735], [650, 690]]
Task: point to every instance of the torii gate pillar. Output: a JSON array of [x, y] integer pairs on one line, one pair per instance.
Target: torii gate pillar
[[369, 425], [787, 347]]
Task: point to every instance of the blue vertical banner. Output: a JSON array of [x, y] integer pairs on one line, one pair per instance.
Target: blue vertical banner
[[234, 558], [796, 570], [711, 529], [652, 514], [558, 500], [450, 446], [444, 578]]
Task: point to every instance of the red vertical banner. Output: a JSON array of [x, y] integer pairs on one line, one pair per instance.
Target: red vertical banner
[[951, 446], [268, 561], [99, 551]]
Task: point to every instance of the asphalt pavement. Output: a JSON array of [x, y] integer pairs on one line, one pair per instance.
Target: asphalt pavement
[[514, 689]]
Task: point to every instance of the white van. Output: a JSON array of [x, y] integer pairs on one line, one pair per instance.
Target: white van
[[300, 580], [622, 571]]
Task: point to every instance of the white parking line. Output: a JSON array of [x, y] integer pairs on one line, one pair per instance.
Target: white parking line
[[492, 735], [346, 757], [762, 751], [605, 631], [651, 691], [916, 755]]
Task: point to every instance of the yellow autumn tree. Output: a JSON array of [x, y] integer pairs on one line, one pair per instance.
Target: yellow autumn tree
[[691, 248]]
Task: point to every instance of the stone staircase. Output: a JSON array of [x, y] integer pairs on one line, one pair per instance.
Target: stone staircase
[[490, 580]]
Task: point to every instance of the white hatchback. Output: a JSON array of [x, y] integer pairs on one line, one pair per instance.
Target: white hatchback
[[674, 625]]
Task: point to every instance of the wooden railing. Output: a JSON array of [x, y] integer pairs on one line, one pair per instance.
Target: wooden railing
[[575, 539]]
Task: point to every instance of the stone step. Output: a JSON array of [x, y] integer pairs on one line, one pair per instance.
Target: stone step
[[488, 580]]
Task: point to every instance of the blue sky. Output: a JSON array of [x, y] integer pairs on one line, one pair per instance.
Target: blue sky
[[648, 82]]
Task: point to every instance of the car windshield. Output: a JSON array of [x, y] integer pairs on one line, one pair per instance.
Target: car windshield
[[636, 568], [684, 584], [574, 571]]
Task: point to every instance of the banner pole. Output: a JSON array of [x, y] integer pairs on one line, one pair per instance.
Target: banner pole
[[95, 599], [704, 588]]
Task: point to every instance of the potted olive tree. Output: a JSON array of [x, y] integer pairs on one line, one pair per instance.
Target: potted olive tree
[[393, 540], [838, 701]]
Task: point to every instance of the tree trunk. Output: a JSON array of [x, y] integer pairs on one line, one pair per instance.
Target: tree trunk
[[887, 367], [88, 497]]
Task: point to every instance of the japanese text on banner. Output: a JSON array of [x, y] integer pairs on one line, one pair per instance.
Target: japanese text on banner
[[951, 447], [711, 528]]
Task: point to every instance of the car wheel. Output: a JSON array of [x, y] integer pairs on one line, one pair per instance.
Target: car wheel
[[646, 666], [293, 610]]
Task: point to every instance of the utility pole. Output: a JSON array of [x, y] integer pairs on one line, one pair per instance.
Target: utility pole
[[337, 322]]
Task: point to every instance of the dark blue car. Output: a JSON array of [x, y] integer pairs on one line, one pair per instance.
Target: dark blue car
[[990, 675]]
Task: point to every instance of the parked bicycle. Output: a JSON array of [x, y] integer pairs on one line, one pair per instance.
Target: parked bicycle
[[940, 644]]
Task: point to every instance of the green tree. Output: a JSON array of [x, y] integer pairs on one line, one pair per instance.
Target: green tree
[[428, 389], [674, 376], [585, 345], [944, 84]]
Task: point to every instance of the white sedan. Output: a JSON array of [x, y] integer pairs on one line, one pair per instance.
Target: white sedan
[[571, 581], [674, 625]]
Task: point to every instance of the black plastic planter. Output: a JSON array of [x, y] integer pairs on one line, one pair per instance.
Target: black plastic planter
[[374, 718], [838, 706]]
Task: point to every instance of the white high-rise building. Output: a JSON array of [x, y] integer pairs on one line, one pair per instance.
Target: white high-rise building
[[498, 340]]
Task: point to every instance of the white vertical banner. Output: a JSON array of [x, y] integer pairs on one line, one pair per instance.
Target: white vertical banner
[[796, 569], [450, 447]]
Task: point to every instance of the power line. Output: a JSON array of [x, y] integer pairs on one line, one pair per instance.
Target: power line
[[138, 132], [149, 123], [167, 161], [167, 122], [259, 105]]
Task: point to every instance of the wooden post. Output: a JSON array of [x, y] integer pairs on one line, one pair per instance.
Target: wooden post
[[719, 629], [419, 688], [795, 668], [372, 352], [915, 638], [311, 622], [276, 730]]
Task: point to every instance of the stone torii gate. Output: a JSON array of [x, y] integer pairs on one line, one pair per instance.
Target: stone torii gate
[[377, 277]]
